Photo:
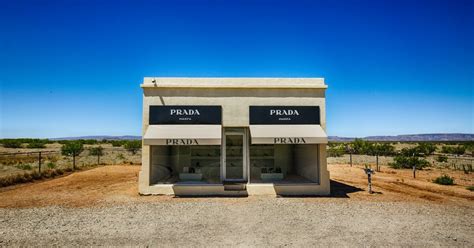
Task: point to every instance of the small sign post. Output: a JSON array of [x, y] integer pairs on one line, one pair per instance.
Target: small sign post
[[369, 173]]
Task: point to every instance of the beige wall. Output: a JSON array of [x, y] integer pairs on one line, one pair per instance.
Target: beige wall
[[306, 161]]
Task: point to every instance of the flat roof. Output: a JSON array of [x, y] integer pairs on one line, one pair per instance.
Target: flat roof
[[243, 82]]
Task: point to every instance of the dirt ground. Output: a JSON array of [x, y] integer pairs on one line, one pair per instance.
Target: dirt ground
[[101, 206]]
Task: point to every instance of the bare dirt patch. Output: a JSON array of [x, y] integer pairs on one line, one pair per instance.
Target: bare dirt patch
[[399, 185], [78, 189], [119, 184]]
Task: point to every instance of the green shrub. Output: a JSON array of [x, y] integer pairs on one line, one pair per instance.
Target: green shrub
[[117, 143], [336, 151], [405, 162], [59, 171], [442, 159], [11, 143], [71, 148], [51, 165], [469, 147], [133, 146], [96, 151], [360, 146], [120, 156], [444, 180], [457, 150], [88, 141], [425, 148], [24, 167], [470, 188], [36, 144], [36, 175]]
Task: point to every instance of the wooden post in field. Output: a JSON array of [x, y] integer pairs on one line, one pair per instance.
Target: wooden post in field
[[98, 158], [350, 156], [414, 168], [74, 160], [377, 162], [39, 162]]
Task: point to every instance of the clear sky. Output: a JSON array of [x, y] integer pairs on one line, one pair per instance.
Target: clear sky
[[73, 67]]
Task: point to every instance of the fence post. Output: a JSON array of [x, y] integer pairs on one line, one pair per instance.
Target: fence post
[[350, 156], [98, 158], [74, 160], [414, 168], [39, 162], [377, 162]]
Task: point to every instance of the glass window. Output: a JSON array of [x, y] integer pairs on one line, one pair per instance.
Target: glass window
[[186, 164], [283, 163]]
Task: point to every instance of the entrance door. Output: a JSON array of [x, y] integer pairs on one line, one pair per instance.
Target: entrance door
[[234, 155]]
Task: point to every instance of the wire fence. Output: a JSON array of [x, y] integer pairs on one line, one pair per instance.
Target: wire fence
[[18, 162], [463, 163]]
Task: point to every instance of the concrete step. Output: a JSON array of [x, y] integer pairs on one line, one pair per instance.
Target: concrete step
[[235, 186]]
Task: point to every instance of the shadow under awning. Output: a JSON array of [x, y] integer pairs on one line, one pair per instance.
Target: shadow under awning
[[183, 135], [288, 134]]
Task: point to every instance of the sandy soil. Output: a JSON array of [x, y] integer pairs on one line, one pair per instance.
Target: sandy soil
[[101, 207]]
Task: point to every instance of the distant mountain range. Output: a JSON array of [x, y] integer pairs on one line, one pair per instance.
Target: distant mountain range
[[414, 137], [407, 137], [101, 137]]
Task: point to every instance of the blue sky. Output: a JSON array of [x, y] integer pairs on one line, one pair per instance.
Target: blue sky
[[73, 67]]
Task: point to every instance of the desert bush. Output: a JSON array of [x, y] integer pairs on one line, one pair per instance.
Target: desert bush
[[96, 151], [24, 166], [117, 143], [51, 165], [406, 162], [425, 148], [11, 143], [133, 146], [36, 144], [72, 148], [469, 147], [444, 180], [384, 149], [36, 175], [60, 171], [457, 150], [442, 159], [88, 141], [336, 151], [470, 188], [360, 146], [120, 156]]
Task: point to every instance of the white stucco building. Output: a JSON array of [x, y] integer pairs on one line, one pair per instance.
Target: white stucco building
[[234, 136]]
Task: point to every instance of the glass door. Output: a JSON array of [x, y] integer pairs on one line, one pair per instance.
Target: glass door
[[234, 156]]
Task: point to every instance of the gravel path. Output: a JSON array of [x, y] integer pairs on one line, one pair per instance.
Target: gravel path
[[253, 221]]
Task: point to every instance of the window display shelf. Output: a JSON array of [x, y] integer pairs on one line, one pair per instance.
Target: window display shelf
[[234, 157], [204, 157]]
